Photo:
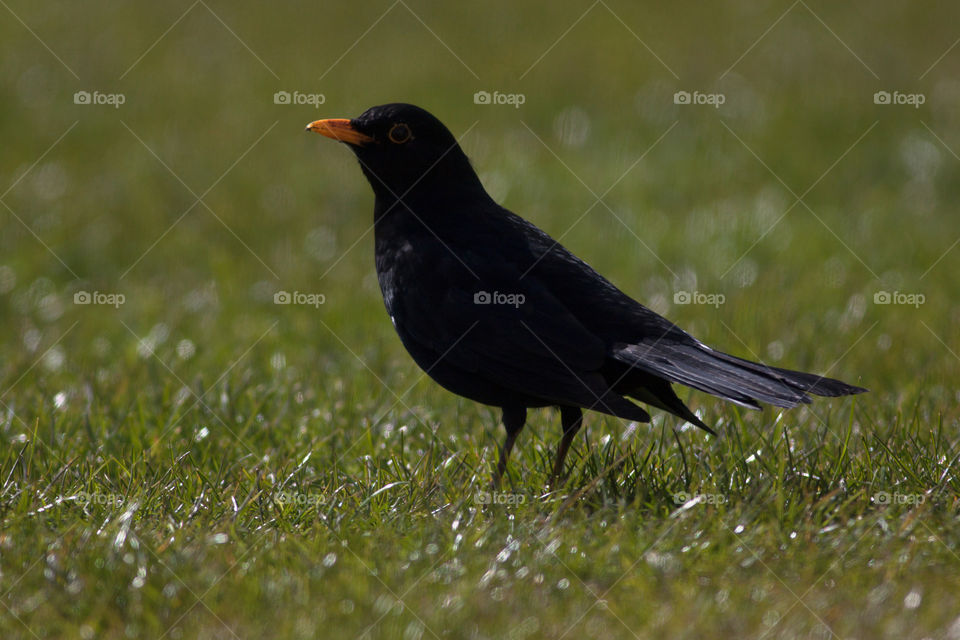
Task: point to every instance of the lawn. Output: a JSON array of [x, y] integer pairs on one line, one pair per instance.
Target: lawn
[[183, 457]]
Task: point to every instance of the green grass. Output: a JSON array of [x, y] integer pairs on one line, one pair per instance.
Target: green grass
[[200, 462]]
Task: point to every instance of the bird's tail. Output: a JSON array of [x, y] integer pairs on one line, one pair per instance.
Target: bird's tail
[[741, 381]]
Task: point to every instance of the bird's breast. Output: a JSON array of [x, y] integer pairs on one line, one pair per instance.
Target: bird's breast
[[400, 264]]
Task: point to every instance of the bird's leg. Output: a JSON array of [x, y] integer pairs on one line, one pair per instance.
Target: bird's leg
[[571, 418], [513, 421]]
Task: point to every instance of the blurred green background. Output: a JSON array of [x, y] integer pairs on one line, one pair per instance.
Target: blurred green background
[[800, 200]]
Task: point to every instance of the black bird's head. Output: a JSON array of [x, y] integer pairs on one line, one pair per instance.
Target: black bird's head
[[404, 152]]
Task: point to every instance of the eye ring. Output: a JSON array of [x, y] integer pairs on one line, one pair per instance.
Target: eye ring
[[400, 133]]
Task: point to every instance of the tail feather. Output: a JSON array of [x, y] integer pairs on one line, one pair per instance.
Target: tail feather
[[806, 382], [735, 379], [657, 392]]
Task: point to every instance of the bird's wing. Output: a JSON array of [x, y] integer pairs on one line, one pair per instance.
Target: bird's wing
[[641, 338], [510, 330]]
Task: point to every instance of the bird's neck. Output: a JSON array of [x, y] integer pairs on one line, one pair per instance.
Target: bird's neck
[[441, 190]]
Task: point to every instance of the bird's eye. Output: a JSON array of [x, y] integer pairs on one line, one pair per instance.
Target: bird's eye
[[400, 133]]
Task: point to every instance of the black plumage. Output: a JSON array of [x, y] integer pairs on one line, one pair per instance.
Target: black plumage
[[495, 310]]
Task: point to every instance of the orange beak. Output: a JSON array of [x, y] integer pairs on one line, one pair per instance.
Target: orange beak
[[339, 129]]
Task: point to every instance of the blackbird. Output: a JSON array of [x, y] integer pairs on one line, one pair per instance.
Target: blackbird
[[495, 310]]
